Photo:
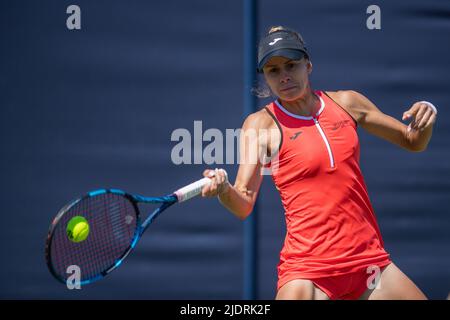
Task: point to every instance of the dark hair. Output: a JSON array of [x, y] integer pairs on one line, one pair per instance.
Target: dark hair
[[261, 89]]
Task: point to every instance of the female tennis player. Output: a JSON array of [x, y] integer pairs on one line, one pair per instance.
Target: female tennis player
[[333, 248]]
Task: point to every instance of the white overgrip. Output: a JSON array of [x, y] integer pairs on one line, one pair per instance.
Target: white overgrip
[[194, 189]]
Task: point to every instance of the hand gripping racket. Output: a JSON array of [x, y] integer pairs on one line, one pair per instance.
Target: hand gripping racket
[[112, 228]]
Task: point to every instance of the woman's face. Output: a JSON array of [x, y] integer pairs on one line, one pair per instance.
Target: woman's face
[[288, 79]]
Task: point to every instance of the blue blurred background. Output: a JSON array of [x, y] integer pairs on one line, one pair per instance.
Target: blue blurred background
[[96, 107]]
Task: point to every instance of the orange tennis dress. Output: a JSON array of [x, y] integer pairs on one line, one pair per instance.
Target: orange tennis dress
[[332, 238]]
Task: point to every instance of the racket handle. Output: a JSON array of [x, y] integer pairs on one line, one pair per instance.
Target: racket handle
[[194, 189]]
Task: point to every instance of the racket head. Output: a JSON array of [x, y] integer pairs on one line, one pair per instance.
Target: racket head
[[114, 229]]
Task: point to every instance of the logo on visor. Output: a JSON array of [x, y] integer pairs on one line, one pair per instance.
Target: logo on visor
[[275, 41]]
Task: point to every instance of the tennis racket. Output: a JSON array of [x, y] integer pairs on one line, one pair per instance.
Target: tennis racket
[[114, 229]]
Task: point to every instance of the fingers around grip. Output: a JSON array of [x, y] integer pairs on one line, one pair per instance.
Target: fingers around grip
[[218, 180], [406, 115], [415, 108], [411, 113], [432, 120], [208, 173], [420, 113], [424, 119]]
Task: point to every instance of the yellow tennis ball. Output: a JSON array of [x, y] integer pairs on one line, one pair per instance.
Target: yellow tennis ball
[[77, 229]]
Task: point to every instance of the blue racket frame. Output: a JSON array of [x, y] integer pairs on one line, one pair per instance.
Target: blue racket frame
[[165, 201]]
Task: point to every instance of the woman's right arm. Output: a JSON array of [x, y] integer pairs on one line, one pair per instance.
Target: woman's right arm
[[241, 197]]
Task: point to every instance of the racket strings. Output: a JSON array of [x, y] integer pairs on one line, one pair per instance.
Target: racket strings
[[112, 223]]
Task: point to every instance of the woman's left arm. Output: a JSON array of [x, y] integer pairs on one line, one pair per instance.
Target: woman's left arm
[[414, 137]]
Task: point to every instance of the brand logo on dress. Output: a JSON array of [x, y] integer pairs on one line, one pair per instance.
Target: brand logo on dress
[[295, 135], [341, 124]]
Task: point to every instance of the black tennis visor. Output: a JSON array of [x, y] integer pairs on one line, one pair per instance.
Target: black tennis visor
[[281, 43]]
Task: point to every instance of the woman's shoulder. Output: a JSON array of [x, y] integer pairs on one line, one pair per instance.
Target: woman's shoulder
[[344, 97], [349, 100], [260, 119]]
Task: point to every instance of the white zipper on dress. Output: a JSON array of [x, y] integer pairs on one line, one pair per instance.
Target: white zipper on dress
[[330, 154]]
